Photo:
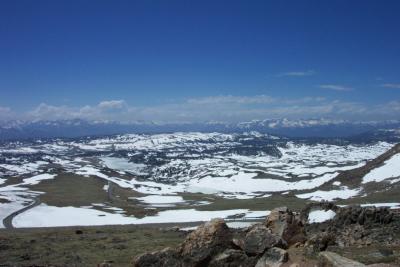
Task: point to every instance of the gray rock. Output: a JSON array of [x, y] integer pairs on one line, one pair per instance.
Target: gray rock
[[332, 259], [258, 239], [273, 257], [205, 242], [320, 242], [367, 216], [284, 223], [232, 258], [166, 257]]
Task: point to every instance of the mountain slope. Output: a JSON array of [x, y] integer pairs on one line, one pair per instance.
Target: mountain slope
[[354, 178]]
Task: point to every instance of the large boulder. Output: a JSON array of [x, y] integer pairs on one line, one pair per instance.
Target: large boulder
[[232, 258], [258, 239], [284, 223], [273, 257], [205, 242], [166, 257]]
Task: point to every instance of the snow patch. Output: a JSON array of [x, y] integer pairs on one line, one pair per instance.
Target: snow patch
[[319, 195], [390, 169], [159, 199], [122, 164], [50, 216], [319, 216], [38, 178]]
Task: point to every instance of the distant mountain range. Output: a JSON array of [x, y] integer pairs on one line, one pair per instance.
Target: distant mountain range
[[324, 128]]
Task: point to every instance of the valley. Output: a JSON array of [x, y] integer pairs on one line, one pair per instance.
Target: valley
[[186, 177]]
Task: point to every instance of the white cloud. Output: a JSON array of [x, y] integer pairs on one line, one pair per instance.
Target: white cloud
[[112, 104], [50, 112], [104, 110], [260, 99], [297, 73], [391, 85], [336, 87], [389, 108]]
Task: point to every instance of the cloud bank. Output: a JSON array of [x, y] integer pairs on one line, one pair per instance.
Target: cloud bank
[[224, 108]]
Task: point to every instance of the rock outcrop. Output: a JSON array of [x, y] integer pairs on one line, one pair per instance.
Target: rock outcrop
[[285, 224], [353, 225], [214, 244], [263, 245], [366, 216]]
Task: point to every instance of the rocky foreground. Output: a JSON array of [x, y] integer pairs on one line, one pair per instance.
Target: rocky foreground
[[268, 243]]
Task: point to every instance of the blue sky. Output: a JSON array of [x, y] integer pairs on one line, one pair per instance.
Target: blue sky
[[199, 60]]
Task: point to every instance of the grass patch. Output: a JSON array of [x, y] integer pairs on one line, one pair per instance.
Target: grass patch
[[63, 247], [72, 190], [75, 190], [262, 203]]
